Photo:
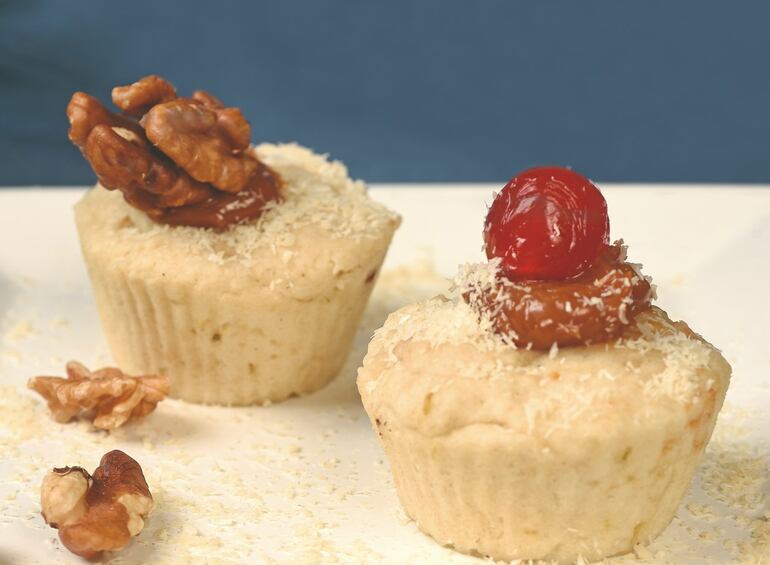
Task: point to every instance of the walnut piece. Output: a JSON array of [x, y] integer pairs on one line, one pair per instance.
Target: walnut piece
[[122, 158], [207, 99], [107, 396], [231, 121], [86, 112], [192, 166], [135, 99], [147, 178], [206, 141], [99, 512]]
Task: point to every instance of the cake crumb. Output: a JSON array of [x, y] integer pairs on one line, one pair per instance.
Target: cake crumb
[[22, 330]]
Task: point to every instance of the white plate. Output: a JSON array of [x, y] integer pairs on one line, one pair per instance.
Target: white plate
[[305, 481]]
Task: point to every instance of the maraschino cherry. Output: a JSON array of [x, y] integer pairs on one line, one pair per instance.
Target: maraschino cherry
[[548, 223]]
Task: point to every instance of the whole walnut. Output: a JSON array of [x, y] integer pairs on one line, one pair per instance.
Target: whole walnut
[[99, 512]]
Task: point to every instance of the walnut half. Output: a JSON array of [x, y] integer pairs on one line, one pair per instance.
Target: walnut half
[[183, 161], [99, 512], [107, 396]]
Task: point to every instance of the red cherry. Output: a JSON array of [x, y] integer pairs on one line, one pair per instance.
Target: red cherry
[[548, 223]]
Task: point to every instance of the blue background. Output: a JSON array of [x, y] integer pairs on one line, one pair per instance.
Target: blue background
[[411, 90]]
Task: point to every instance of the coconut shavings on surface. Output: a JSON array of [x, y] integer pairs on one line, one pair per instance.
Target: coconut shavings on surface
[[450, 320], [318, 193], [305, 481]]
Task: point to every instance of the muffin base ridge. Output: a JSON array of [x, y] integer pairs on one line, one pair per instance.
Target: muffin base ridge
[[483, 497], [237, 349]]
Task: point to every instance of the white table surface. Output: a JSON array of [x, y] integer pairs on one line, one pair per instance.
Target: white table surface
[[305, 481]]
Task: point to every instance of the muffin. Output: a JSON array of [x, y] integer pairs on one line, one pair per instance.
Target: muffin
[[511, 442], [245, 291]]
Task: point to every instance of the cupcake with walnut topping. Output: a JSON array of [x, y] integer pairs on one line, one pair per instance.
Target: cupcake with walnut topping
[[240, 273], [544, 409]]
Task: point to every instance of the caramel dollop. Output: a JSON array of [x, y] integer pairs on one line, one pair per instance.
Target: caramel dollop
[[593, 307]]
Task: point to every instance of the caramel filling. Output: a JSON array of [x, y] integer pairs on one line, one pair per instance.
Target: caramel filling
[[593, 307]]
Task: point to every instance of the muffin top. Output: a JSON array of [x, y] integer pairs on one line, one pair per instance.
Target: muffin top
[[438, 366], [325, 226]]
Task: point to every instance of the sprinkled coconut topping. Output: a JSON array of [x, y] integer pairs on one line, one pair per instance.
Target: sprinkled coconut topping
[[682, 354], [318, 194], [449, 320], [202, 467], [594, 307], [478, 276], [437, 321]]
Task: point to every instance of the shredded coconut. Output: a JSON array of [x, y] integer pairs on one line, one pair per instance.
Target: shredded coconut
[[318, 192], [236, 485], [682, 355], [658, 360]]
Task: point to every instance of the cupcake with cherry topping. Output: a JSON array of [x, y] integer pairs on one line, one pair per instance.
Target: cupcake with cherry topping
[[544, 409], [238, 272]]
